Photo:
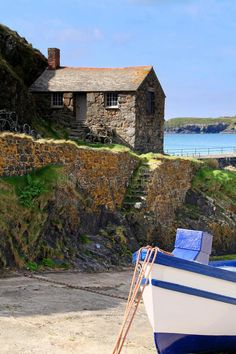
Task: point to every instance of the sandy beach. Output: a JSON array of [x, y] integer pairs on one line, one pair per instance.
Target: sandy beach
[[40, 317]]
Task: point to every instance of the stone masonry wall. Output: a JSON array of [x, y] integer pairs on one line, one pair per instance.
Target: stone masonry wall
[[169, 182], [102, 174], [149, 130], [121, 119], [64, 115]]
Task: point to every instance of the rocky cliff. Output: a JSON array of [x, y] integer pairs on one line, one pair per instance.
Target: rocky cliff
[[91, 208], [20, 65]]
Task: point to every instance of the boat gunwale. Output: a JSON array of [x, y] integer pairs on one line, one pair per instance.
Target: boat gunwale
[[191, 266]]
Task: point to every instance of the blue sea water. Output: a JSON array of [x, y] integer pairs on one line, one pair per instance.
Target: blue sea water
[[199, 143]]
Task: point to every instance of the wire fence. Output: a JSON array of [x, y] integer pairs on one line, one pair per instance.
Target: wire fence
[[9, 122], [204, 151]]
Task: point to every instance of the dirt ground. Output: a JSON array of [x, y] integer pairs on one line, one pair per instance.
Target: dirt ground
[[39, 317]]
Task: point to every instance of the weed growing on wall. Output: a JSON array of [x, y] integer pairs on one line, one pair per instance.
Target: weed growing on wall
[[29, 187]]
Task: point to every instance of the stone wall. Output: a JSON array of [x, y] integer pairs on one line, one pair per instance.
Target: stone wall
[[149, 130], [121, 119], [103, 175], [169, 182], [153, 220]]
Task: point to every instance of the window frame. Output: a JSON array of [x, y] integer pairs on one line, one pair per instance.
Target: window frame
[[57, 100], [150, 101], [108, 97]]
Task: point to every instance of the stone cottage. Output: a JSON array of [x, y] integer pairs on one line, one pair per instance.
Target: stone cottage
[[126, 104]]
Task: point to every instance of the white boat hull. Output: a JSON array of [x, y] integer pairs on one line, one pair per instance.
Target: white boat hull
[[191, 307]]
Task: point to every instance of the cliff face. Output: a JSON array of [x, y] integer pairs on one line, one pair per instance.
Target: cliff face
[[199, 128], [91, 208], [20, 65]]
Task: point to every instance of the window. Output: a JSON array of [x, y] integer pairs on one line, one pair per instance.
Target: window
[[150, 102], [57, 99], [111, 99]]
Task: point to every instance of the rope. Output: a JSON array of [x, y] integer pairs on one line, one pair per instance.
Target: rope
[[134, 298]]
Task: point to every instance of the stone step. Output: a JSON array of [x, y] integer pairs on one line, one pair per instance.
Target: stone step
[[145, 164], [138, 193], [140, 180], [135, 205], [77, 131], [78, 126], [77, 136]]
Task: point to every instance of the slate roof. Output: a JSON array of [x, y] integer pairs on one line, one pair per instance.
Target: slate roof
[[67, 79]]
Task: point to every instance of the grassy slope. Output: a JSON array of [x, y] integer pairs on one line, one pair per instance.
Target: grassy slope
[[179, 122], [22, 226], [26, 61], [218, 184]]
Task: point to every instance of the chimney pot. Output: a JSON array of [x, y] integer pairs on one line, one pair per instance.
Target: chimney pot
[[53, 58]]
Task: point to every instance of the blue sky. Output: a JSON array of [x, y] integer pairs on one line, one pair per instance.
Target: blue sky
[[190, 43]]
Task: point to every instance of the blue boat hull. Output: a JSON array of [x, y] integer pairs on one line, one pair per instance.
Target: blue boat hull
[[171, 343]]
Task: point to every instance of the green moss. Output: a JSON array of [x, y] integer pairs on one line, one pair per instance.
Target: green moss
[[153, 158], [84, 239], [46, 263]]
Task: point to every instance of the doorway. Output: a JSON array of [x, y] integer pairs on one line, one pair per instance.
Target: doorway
[[81, 107]]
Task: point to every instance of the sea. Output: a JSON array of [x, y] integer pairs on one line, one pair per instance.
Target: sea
[[199, 144]]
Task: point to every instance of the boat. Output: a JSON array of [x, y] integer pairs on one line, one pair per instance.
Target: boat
[[190, 302]]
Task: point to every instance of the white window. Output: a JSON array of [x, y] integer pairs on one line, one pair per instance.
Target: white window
[[57, 99], [111, 100]]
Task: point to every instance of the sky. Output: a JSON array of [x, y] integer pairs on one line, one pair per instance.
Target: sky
[[190, 43]]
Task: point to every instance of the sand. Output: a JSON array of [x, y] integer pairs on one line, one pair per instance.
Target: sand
[[39, 317]]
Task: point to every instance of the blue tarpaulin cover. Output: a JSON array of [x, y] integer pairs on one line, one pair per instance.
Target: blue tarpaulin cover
[[193, 245]]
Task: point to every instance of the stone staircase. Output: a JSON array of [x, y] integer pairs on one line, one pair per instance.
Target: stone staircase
[[137, 191], [78, 130]]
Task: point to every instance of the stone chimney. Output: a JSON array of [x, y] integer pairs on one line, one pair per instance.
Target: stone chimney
[[53, 58]]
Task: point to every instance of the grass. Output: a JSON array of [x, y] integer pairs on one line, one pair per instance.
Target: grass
[[220, 184], [227, 257], [49, 129], [112, 147], [28, 61]]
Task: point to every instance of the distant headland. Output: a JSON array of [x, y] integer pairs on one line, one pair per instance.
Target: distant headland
[[190, 125]]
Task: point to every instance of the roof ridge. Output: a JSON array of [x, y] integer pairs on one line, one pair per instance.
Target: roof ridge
[[112, 68]]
